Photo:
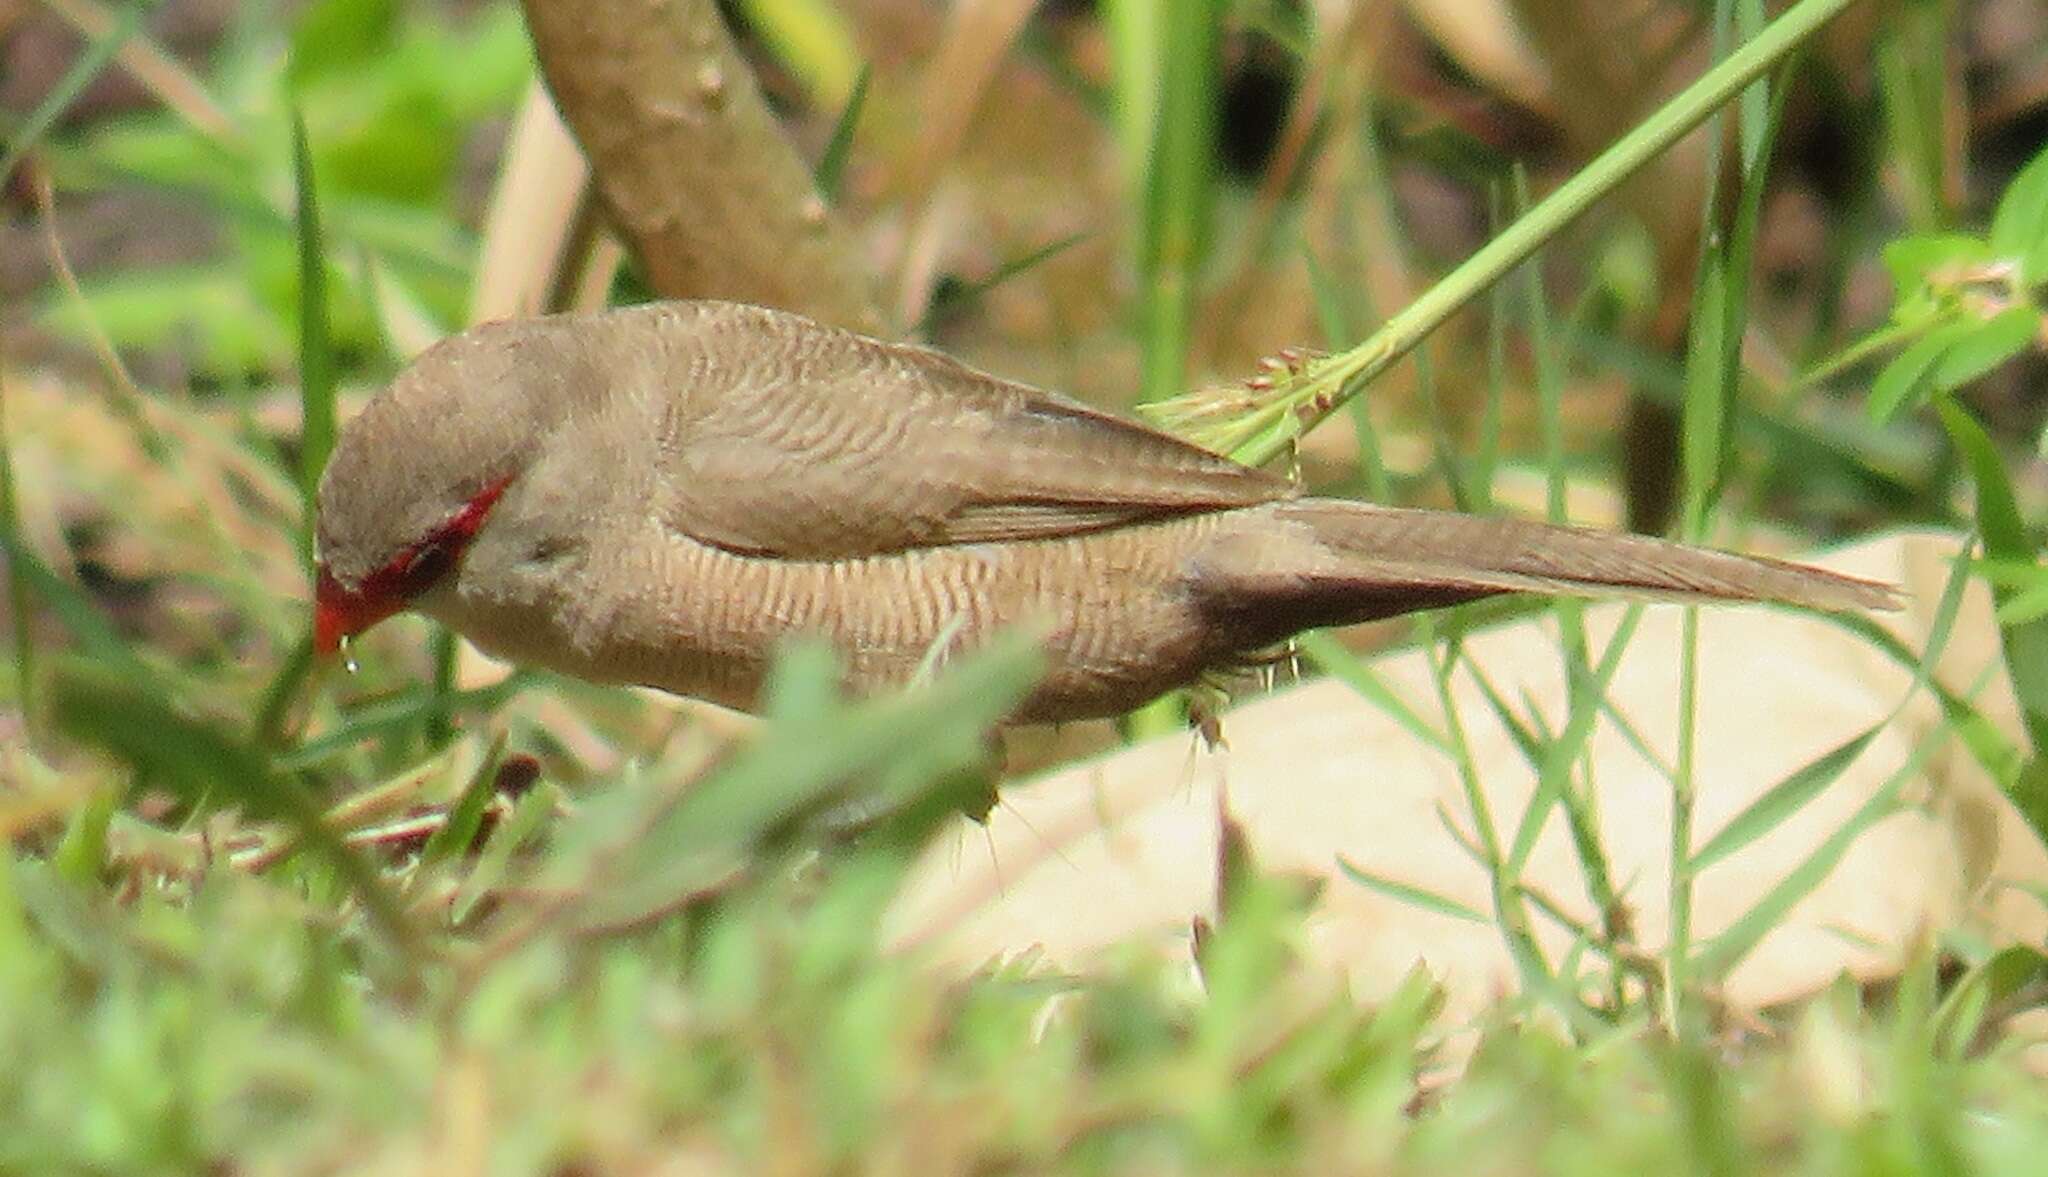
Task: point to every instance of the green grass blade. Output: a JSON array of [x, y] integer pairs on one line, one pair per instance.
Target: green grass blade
[[2004, 534], [399, 711], [1334, 659], [1981, 737], [18, 589], [276, 708], [949, 302], [1334, 320], [1721, 316], [317, 373], [466, 815], [1510, 914], [1419, 898], [1549, 377], [831, 169], [1781, 801], [496, 857], [440, 716], [1486, 458], [1443, 449], [1715, 957], [1179, 191], [1570, 744], [1532, 736]]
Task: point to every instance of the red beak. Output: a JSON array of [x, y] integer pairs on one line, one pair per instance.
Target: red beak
[[343, 613]]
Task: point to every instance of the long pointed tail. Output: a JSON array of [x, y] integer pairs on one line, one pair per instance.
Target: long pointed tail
[[1344, 562]]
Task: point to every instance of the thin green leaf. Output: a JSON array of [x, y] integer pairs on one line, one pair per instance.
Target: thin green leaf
[[1756, 118], [954, 299], [1179, 192], [1985, 345], [1980, 735], [2016, 574], [1408, 893], [1908, 379], [81, 854], [2019, 229], [390, 714], [1781, 801], [1708, 422], [1486, 454], [466, 815], [1915, 262], [285, 684], [2023, 606], [1530, 742], [1549, 375], [1571, 742], [1714, 958], [1331, 657], [831, 168], [496, 857], [2005, 538], [2008, 973], [1442, 446], [1706, 408], [1912, 78], [1334, 319], [440, 716]]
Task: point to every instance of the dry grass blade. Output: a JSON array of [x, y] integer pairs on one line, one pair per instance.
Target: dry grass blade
[[167, 78], [531, 231]]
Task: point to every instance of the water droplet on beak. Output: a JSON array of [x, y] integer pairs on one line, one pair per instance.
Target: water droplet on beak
[[348, 660]]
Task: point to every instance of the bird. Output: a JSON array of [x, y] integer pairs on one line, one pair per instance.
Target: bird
[[658, 495]]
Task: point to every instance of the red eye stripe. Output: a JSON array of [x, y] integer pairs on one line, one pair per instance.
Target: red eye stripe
[[339, 612], [414, 570]]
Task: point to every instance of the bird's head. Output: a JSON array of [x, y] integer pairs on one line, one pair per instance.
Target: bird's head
[[415, 477]]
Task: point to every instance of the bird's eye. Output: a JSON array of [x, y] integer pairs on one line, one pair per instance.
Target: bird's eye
[[426, 564]]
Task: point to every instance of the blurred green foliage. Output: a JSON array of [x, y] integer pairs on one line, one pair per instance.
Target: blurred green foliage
[[394, 99]]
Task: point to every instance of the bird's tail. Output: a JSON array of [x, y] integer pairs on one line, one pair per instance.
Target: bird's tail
[[1335, 562]]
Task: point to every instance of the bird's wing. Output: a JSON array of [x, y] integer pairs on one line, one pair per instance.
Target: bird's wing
[[846, 447]]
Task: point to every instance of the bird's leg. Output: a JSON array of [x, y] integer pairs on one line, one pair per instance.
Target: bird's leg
[[979, 784], [1206, 701]]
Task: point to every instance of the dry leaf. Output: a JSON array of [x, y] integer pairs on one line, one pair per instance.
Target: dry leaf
[[1125, 846]]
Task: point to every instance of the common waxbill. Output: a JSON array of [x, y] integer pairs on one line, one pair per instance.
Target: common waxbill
[[656, 495]]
